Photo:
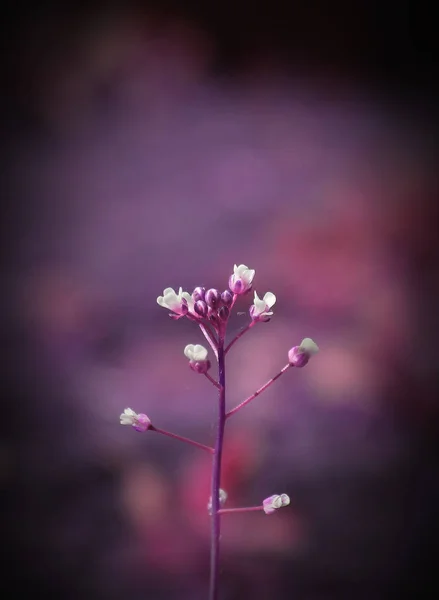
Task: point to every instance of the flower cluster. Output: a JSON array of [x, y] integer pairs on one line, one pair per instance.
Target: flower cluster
[[214, 307]]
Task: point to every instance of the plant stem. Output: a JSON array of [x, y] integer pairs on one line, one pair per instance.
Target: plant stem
[[258, 392], [182, 439], [216, 476]]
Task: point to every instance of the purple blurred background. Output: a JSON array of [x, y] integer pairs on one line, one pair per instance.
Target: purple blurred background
[[156, 146]]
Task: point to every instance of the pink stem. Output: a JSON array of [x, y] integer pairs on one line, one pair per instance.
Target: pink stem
[[182, 439], [240, 334], [209, 337], [212, 380], [223, 511], [216, 476], [208, 334], [258, 392]]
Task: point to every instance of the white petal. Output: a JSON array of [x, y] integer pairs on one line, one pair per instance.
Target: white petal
[[173, 302], [130, 412], [222, 496], [128, 417], [200, 352], [161, 301], [249, 275], [277, 502], [168, 291], [238, 271], [309, 346], [259, 304], [269, 299], [189, 351], [190, 301], [285, 499]]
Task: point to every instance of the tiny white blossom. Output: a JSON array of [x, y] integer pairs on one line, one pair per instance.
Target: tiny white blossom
[[260, 310], [179, 303], [222, 500], [128, 417], [299, 356], [195, 352], [140, 422], [308, 346], [241, 280], [272, 503]]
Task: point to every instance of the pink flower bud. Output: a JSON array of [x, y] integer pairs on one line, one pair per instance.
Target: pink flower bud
[[200, 307], [200, 366], [227, 298], [198, 293], [212, 298]]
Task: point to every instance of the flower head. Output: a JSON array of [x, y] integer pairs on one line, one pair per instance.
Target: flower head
[[179, 303], [260, 310], [197, 355], [139, 422], [299, 356], [272, 503], [240, 281]]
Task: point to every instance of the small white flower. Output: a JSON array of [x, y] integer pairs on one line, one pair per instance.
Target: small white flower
[[299, 356], [128, 417], [308, 346], [272, 503], [140, 422], [260, 310], [222, 500], [195, 352], [241, 280], [179, 303]]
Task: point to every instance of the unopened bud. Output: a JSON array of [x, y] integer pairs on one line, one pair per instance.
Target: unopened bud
[[212, 298], [198, 293], [200, 307], [227, 298], [223, 313], [213, 316]]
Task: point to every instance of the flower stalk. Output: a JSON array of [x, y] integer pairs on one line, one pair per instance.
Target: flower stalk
[[216, 476], [210, 310]]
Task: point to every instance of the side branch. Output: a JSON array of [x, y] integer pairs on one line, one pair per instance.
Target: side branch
[[183, 439], [258, 392], [210, 337], [240, 334], [223, 511]]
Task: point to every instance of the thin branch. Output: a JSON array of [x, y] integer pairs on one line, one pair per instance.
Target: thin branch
[[207, 332], [258, 392], [240, 334], [183, 439], [212, 380], [223, 511], [210, 337]]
